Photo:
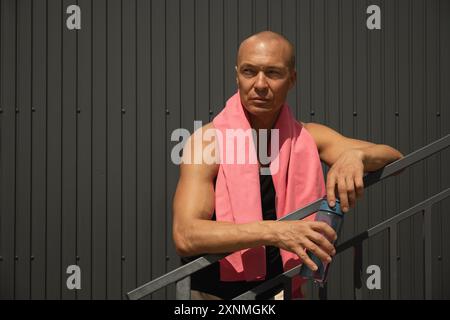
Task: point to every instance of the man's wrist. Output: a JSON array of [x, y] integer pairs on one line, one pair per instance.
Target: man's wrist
[[268, 232], [361, 155]]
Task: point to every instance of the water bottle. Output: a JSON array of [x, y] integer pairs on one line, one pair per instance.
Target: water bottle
[[333, 216]]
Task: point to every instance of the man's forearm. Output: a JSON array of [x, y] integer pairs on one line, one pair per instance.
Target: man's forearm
[[378, 156], [223, 237]]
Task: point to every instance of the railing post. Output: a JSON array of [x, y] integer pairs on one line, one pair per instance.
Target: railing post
[[357, 271], [287, 289], [393, 261], [428, 253], [323, 291], [183, 291]]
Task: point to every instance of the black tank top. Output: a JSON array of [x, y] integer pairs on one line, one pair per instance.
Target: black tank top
[[208, 279]]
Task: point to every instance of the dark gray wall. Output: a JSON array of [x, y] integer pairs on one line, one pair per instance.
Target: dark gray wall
[[86, 118]]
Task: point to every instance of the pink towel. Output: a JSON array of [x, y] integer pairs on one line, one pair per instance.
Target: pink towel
[[298, 181]]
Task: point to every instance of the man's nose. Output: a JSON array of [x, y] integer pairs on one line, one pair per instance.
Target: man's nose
[[261, 82]]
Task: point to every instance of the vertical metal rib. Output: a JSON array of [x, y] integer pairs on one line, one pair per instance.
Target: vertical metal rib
[[428, 258], [393, 260]]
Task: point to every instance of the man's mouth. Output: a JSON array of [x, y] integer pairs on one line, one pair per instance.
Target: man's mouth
[[260, 100]]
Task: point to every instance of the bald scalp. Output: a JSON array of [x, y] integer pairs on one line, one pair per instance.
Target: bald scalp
[[267, 37]]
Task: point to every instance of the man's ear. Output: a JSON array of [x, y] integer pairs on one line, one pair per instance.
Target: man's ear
[[293, 77], [237, 79]]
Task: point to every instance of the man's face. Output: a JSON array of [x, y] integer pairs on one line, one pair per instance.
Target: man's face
[[264, 77]]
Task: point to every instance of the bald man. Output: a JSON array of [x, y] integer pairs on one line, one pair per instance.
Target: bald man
[[265, 72]]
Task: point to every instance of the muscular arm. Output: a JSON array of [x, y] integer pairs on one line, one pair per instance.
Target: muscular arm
[[348, 160], [331, 145], [195, 233]]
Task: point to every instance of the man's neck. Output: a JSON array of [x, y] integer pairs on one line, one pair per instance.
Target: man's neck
[[267, 122]]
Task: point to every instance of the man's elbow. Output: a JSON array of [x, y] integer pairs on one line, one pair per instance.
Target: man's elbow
[[182, 246], [396, 153]]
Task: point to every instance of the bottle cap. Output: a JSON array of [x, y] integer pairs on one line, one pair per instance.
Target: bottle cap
[[336, 209]]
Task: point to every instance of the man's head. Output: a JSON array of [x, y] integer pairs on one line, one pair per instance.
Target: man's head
[[265, 72]]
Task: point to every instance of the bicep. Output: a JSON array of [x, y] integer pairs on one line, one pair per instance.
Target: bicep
[[194, 196]]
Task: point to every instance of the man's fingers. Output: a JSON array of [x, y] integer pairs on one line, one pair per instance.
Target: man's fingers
[[305, 258], [342, 189], [331, 182], [351, 191], [322, 242], [359, 186], [317, 250], [325, 229]]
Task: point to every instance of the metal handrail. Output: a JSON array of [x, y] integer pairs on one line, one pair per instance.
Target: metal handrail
[[186, 270]]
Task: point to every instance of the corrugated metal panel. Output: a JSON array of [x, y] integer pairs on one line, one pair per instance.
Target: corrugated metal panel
[[389, 119], [38, 154], [84, 152], [8, 147], [443, 175], [129, 139], [54, 268], [173, 120], [86, 119], [99, 147], [23, 150], [158, 131], [144, 158]]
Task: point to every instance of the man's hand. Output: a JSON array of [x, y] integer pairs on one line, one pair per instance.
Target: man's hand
[[296, 236], [345, 179]]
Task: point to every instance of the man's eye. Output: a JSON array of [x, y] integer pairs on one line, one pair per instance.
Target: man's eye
[[247, 71], [273, 73]]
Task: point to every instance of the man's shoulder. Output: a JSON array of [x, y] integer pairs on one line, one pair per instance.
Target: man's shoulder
[[317, 131], [309, 125], [315, 128], [204, 134], [200, 151], [209, 125], [323, 135]]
